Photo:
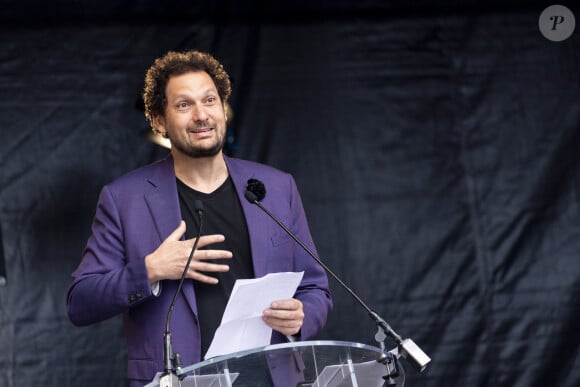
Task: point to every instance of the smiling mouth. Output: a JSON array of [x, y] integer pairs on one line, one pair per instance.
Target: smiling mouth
[[201, 130]]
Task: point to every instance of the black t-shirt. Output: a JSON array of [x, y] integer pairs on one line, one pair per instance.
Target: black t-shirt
[[222, 214]]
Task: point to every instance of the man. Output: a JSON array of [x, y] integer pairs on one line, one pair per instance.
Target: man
[[145, 224]]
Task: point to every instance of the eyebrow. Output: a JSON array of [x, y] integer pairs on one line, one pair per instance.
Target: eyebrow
[[188, 96]]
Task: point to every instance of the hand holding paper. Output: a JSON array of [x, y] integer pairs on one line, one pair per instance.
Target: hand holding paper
[[285, 316], [242, 327]]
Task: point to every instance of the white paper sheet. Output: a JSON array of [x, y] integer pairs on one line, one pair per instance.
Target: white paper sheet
[[242, 327]]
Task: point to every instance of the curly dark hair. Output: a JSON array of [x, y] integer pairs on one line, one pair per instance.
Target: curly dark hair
[[178, 63]]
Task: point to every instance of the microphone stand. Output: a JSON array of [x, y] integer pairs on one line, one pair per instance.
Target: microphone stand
[[172, 361], [407, 348]]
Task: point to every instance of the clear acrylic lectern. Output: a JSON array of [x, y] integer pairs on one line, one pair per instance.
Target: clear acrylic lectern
[[297, 364]]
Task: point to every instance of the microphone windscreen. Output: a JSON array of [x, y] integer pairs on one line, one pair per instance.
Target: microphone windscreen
[[250, 196], [198, 205], [257, 188]]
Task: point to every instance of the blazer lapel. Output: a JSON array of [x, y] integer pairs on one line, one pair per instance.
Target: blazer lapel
[[162, 200], [163, 204], [255, 220]]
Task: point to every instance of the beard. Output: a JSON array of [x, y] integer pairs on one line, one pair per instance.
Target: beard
[[195, 152]]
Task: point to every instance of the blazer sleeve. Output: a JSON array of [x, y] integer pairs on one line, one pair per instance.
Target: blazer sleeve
[[106, 283]]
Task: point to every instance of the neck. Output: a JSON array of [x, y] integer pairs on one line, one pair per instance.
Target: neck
[[204, 174]]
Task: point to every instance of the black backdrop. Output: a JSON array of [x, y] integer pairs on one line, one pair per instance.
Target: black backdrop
[[436, 146]]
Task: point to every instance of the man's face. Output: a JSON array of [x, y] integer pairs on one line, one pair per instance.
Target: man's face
[[194, 120]]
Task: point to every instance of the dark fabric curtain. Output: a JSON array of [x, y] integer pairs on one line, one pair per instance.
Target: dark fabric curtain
[[436, 147]]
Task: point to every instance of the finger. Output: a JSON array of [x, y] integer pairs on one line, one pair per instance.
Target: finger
[[283, 324], [291, 309], [208, 267], [198, 271], [281, 314], [212, 254], [207, 240], [178, 232], [286, 328], [196, 276], [291, 304]]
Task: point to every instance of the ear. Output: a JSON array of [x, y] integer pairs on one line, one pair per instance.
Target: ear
[[226, 108], [159, 123]]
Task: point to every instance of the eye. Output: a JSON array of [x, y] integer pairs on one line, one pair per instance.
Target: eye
[[211, 100], [182, 105]]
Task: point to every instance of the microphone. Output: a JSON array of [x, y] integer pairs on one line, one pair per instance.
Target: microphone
[[172, 360], [255, 192]]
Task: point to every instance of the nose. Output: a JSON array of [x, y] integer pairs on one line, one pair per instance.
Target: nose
[[199, 114]]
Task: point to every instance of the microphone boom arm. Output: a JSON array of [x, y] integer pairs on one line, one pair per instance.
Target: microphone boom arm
[[407, 348]]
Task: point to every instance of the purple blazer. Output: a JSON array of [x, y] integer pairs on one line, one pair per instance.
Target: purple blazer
[[135, 214]]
